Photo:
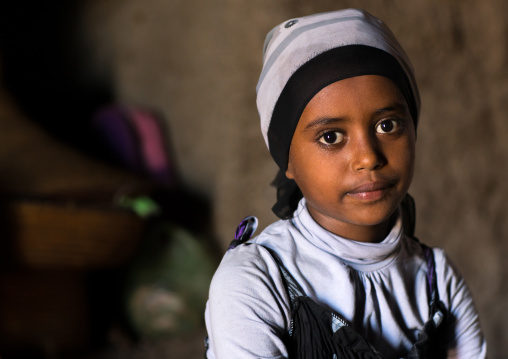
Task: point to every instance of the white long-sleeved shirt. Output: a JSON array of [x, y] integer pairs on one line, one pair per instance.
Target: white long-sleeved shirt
[[378, 288]]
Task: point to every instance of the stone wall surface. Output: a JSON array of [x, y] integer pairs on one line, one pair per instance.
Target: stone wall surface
[[197, 62]]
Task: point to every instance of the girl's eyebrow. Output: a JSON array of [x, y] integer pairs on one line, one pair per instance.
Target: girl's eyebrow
[[323, 121], [397, 106]]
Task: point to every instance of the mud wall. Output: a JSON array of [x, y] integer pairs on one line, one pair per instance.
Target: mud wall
[[197, 63]]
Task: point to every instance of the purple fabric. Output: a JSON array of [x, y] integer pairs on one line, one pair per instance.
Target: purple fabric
[[244, 231]]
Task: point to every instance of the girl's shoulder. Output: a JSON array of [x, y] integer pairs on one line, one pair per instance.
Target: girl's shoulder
[[450, 282], [450, 274], [252, 261], [443, 264]]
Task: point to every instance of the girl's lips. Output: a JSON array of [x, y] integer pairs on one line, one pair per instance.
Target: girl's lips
[[371, 191]]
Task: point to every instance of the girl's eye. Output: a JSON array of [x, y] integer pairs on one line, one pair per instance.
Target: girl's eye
[[387, 126], [331, 138]]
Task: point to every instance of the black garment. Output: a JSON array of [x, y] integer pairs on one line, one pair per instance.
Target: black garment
[[317, 333]]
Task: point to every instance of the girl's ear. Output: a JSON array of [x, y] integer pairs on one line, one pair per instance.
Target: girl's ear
[[289, 171]]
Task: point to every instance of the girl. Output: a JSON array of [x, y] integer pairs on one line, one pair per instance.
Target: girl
[[340, 275]]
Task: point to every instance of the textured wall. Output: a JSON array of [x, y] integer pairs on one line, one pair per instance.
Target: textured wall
[[197, 62]]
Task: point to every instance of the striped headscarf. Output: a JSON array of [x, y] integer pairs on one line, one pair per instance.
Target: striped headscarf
[[301, 57]]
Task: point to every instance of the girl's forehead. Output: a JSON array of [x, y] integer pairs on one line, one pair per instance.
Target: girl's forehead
[[369, 93], [352, 87]]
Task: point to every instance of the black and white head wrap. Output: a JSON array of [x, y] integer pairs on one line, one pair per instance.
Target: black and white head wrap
[[301, 57]]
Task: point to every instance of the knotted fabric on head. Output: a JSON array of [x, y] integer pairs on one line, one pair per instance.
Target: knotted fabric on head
[[304, 55]]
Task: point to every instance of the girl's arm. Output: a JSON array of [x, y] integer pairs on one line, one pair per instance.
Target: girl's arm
[[467, 340], [247, 312]]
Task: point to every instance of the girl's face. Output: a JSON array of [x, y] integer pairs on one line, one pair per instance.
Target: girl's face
[[352, 155]]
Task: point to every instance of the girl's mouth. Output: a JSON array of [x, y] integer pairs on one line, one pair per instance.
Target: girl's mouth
[[370, 191]]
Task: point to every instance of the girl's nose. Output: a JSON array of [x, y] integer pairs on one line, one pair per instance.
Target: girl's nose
[[367, 154]]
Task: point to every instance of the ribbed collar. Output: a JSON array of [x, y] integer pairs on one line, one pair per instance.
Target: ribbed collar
[[361, 256]]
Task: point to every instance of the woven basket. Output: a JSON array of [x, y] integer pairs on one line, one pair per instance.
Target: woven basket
[[47, 234]]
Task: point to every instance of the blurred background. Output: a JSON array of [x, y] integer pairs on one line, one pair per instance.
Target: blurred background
[[130, 149]]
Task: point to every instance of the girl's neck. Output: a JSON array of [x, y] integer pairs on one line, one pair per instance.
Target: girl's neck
[[359, 233]]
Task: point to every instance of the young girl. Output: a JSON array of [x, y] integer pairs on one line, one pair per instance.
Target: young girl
[[340, 275]]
